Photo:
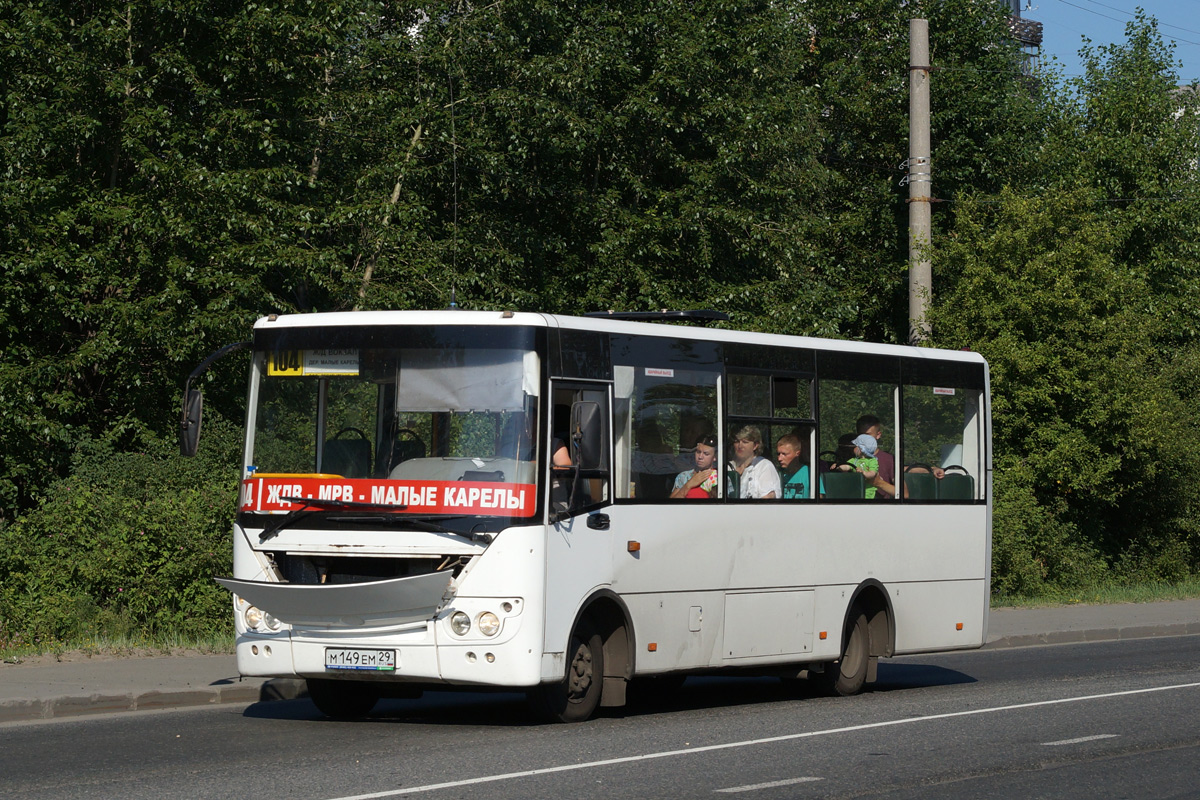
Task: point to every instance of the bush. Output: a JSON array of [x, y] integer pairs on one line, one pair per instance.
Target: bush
[[1034, 552], [127, 545]]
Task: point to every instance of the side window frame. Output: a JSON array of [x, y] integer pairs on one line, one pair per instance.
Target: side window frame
[[771, 423], [655, 426], [596, 484], [967, 460], [837, 367]]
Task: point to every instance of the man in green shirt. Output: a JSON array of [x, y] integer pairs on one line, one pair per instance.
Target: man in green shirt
[[793, 472]]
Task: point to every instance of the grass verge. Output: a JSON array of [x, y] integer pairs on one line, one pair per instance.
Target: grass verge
[[119, 647], [1106, 594]]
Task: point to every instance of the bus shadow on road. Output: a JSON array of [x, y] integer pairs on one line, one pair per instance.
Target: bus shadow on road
[[509, 709], [917, 676], [487, 709], [706, 692]]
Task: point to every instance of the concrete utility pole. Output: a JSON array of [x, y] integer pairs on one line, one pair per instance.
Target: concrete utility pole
[[920, 269]]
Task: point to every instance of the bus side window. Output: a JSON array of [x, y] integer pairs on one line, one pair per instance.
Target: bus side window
[[850, 409], [660, 415], [941, 436], [770, 399]]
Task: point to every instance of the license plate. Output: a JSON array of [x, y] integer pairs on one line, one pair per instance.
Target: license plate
[[360, 658]]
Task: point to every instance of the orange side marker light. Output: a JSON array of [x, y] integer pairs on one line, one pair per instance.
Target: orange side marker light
[[652, 647], [958, 626], [824, 635], [633, 546]]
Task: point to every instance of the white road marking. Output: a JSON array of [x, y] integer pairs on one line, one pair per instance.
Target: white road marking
[[770, 785], [1081, 739], [753, 742]]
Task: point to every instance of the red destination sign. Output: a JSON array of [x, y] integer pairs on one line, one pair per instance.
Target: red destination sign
[[490, 498]]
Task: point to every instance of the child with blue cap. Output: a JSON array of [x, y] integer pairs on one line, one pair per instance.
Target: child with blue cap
[[865, 447]]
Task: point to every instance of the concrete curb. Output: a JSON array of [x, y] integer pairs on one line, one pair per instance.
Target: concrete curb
[[64, 706], [1094, 635]]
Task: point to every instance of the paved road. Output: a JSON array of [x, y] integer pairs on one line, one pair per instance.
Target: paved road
[[58, 690], [1108, 719]]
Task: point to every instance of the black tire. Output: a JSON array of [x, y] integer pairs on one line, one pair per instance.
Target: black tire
[[342, 699], [577, 696], [848, 674]]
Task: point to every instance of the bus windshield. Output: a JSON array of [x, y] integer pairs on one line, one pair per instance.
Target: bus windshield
[[431, 427]]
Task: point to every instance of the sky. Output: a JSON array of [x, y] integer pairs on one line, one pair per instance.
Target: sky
[[1066, 22]]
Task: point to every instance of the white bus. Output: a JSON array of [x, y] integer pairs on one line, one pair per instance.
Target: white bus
[[402, 527]]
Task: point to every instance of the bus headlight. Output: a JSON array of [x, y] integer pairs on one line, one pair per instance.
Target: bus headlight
[[460, 623], [489, 623], [253, 617], [271, 623]]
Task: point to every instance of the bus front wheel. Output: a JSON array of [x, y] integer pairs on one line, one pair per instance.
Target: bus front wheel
[[342, 699], [848, 674], [575, 698]]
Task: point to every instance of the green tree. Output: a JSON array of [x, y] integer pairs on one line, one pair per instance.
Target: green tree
[[154, 202], [1078, 293], [983, 113], [581, 155], [175, 170]]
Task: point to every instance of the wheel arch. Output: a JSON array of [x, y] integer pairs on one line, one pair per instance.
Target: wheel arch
[[605, 610], [873, 599]]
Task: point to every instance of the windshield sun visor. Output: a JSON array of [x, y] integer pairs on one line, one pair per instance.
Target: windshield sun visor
[[435, 380]]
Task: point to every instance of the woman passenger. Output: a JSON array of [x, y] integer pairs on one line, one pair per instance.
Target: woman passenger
[[756, 476], [700, 482]]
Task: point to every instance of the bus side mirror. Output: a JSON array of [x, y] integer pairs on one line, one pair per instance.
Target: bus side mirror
[[189, 426], [193, 402], [587, 427]]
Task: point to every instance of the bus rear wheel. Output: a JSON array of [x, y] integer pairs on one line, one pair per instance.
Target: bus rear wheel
[[575, 698], [848, 674], [342, 699]]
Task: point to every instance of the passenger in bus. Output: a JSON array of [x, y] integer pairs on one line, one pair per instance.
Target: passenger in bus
[[753, 476], [561, 476], [885, 480], [793, 467], [885, 477], [865, 461], [700, 482], [560, 456], [849, 457]]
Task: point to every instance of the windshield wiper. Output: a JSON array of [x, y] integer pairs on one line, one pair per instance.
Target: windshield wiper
[[309, 503], [435, 527], [309, 506]]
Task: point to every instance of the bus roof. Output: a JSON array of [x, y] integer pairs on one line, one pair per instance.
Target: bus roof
[[601, 324]]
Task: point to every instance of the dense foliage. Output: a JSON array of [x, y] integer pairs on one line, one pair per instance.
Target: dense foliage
[[170, 170], [126, 546], [1079, 289]]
